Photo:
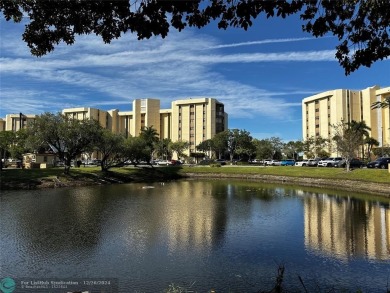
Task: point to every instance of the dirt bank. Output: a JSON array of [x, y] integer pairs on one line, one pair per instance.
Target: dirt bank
[[112, 178], [366, 187]]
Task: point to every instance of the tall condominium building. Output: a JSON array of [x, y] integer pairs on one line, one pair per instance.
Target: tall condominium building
[[321, 111], [14, 122], [191, 120]]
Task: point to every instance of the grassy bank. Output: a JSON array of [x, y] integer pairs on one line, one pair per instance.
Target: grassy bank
[[363, 175], [54, 177]]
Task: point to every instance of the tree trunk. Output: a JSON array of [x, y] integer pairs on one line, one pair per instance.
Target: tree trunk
[[347, 165]]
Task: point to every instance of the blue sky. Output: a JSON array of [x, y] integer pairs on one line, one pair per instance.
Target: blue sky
[[261, 75]]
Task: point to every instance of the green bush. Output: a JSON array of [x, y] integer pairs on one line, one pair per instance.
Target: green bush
[[215, 165]]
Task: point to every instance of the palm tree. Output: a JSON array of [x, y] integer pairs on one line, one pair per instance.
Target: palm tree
[[362, 128], [384, 104], [370, 142], [150, 136]]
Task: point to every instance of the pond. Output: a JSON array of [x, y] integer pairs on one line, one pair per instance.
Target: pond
[[202, 235]]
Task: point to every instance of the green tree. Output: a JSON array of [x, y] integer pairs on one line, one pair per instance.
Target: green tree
[[163, 148], [314, 147], [264, 149], [206, 146], [245, 147], [292, 148], [111, 147], [362, 129], [179, 147], [7, 139], [347, 140], [237, 141], [220, 143], [370, 142], [136, 150], [67, 137], [151, 138], [384, 104], [362, 27], [277, 146]]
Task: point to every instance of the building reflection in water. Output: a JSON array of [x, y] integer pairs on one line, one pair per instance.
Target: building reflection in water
[[185, 216], [345, 227]]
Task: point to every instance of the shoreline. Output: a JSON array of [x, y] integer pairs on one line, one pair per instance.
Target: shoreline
[[379, 189], [347, 185]]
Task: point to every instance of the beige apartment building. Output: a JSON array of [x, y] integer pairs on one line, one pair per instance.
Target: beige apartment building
[[14, 122], [191, 120], [321, 111]]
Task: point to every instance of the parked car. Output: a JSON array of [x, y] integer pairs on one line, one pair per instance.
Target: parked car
[[329, 162], [273, 163], [220, 161], [354, 163], [301, 163], [205, 162], [313, 162], [287, 162], [381, 163], [96, 162], [174, 163], [163, 163]]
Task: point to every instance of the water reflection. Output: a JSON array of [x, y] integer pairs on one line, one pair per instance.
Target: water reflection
[[203, 231], [346, 227]]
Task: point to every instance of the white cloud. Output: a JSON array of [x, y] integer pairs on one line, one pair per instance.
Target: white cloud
[[262, 42], [167, 69]]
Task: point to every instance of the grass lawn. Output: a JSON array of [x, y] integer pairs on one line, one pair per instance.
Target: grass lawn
[[18, 176], [365, 175]]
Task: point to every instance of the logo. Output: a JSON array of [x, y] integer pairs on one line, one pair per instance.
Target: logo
[[7, 285]]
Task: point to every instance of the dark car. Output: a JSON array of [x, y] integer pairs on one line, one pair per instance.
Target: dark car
[[354, 163], [205, 162], [381, 163], [175, 163], [221, 161]]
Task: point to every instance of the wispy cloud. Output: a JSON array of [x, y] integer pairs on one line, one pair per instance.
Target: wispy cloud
[[112, 76], [261, 42]]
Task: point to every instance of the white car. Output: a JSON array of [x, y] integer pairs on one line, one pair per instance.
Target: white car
[[301, 163], [273, 163], [329, 162]]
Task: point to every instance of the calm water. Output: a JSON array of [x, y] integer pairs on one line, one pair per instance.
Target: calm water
[[201, 235]]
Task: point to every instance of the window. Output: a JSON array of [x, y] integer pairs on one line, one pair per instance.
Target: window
[[317, 110]]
